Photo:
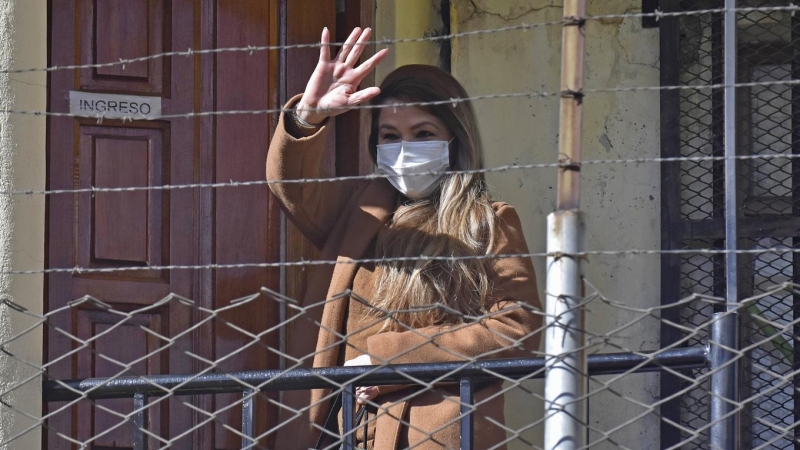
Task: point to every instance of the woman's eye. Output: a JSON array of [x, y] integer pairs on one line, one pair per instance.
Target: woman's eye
[[389, 137], [424, 134]]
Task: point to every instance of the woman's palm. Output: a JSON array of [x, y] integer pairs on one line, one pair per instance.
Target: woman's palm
[[333, 87], [335, 84]]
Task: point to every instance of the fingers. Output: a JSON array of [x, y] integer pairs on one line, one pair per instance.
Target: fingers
[[363, 96], [369, 65], [360, 73], [358, 49], [324, 49], [348, 45], [366, 393]]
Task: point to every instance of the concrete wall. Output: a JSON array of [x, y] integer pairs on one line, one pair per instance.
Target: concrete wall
[[621, 202], [23, 43], [408, 19]]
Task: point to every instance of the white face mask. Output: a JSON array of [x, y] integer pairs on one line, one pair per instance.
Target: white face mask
[[405, 158]]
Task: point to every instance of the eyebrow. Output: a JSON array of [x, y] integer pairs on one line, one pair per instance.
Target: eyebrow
[[419, 125], [422, 124]]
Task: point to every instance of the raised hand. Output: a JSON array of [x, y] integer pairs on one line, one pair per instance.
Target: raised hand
[[333, 87]]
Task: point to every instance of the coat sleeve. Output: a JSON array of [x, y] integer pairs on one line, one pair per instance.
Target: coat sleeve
[[511, 328], [312, 207]]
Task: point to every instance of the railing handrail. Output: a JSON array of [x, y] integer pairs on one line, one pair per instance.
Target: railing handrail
[[325, 377]]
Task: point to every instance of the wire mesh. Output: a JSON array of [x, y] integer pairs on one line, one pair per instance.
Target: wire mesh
[[770, 365], [765, 120]]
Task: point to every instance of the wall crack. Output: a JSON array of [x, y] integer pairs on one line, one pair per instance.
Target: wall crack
[[476, 10]]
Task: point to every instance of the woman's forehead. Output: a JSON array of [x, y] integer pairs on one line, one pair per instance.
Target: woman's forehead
[[406, 116]]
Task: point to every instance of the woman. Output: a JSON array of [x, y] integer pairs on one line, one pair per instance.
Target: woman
[[401, 311]]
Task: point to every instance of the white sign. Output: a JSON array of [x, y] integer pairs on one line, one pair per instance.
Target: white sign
[[110, 106]]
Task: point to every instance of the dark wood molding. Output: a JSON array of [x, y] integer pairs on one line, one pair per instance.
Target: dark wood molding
[[649, 6]]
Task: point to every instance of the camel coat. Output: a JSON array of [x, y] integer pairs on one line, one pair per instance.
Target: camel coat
[[343, 219]]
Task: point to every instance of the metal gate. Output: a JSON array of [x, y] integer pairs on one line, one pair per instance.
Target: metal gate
[[768, 123]]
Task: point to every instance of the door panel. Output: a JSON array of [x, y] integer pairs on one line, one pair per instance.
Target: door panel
[[125, 29], [123, 229], [140, 337], [117, 35]]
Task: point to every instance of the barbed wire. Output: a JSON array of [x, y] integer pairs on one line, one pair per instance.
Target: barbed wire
[[374, 176], [252, 49], [453, 101], [322, 262]]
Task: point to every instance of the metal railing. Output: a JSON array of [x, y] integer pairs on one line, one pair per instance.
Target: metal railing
[[346, 379]]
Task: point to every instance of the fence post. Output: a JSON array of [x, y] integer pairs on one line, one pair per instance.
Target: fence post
[[467, 393], [139, 421], [724, 390], [565, 360], [348, 416], [248, 418], [722, 365]]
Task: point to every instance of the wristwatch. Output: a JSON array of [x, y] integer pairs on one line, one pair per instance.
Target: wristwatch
[[302, 123]]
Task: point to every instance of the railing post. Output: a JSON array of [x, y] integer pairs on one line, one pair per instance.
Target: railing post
[[467, 389], [722, 366], [248, 413], [139, 421], [565, 360], [348, 416], [724, 329]]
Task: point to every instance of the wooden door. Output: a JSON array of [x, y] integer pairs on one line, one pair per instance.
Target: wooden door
[[149, 319]]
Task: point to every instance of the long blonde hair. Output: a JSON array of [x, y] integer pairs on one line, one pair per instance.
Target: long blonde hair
[[456, 220]]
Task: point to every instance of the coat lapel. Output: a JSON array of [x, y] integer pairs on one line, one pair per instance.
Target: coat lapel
[[370, 214], [372, 211], [391, 417]]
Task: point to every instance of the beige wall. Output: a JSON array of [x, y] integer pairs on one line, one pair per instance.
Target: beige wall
[[408, 19], [23, 43], [621, 202]]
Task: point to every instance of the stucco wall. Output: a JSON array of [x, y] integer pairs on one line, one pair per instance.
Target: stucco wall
[[408, 19], [621, 202], [23, 43]]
